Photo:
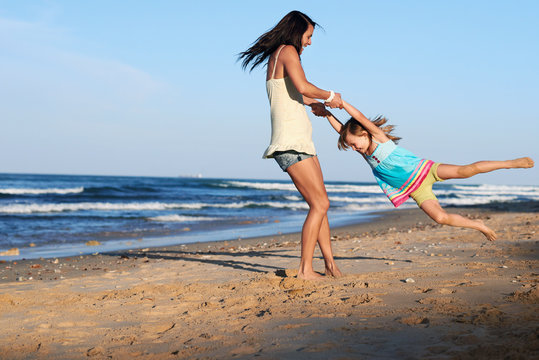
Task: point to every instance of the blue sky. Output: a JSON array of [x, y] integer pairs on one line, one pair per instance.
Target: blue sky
[[153, 88]]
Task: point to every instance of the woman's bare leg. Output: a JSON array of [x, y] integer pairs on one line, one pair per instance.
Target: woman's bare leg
[[446, 171], [308, 179], [324, 242], [433, 209]]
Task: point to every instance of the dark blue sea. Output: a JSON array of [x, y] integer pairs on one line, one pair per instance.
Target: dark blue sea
[[57, 215]]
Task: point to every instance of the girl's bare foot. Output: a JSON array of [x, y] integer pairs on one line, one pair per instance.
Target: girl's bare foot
[[524, 162], [488, 232]]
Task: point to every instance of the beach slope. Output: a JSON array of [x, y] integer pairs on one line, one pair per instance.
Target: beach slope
[[413, 289]]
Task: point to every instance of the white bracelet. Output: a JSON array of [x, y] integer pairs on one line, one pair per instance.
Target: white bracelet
[[331, 96]]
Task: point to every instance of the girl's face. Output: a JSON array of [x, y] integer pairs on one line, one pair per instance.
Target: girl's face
[[359, 143], [306, 38]]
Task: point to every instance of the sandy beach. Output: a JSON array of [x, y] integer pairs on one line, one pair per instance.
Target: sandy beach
[[412, 289]]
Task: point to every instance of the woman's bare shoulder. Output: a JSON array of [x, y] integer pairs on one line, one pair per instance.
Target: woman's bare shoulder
[[289, 51]]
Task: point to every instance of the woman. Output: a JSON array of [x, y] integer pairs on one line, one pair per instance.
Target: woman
[[291, 137]]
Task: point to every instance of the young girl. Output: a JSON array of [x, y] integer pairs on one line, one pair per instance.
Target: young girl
[[401, 174]]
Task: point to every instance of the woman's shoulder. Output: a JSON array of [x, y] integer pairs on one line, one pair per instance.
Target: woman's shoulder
[[284, 47], [288, 51]]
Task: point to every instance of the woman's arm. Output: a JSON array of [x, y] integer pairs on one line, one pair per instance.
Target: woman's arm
[[290, 60], [374, 130], [308, 101]]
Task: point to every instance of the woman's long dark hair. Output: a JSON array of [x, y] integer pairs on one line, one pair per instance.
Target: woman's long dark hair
[[288, 31]]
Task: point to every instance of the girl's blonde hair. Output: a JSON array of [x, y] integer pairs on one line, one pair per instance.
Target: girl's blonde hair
[[353, 127]]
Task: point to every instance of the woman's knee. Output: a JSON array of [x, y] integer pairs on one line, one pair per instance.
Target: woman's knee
[[321, 204]]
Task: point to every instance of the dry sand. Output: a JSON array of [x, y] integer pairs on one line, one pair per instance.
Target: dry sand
[[465, 297]]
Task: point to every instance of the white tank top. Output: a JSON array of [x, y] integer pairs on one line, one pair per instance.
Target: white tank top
[[291, 128]]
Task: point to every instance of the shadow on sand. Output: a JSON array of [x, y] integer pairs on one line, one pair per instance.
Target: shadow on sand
[[203, 257]]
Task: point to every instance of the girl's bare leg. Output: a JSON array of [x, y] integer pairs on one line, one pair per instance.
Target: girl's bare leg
[[446, 171], [308, 179], [433, 209]]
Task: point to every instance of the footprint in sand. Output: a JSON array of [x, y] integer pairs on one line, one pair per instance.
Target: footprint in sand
[[447, 291], [438, 301], [487, 315], [356, 300], [526, 296], [413, 320]]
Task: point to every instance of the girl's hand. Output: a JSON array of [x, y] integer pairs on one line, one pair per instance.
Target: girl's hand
[[319, 109], [336, 102]]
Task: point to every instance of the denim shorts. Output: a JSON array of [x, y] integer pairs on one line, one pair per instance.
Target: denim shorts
[[285, 159]]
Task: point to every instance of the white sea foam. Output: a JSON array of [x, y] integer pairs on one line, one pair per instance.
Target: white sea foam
[[293, 198], [360, 200], [135, 206], [262, 185], [291, 187], [476, 200], [23, 191], [368, 207], [499, 188], [302, 205], [180, 218], [459, 195], [367, 189], [63, 207], [528, 191]]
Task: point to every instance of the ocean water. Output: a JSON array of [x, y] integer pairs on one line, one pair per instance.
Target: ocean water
[[56, 215]]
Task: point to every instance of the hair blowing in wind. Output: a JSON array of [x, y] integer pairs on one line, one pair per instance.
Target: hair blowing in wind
[[287, 32]]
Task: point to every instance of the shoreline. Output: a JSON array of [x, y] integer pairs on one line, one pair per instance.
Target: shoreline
[[379, 223], [242, 230], [412, 289]]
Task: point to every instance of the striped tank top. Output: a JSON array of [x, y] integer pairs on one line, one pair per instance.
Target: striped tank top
[[398, 171]]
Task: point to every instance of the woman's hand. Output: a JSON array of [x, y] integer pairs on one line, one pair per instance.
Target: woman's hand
[[319, 109], [336, 102]]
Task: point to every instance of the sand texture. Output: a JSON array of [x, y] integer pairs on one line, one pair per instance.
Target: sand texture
[[412, 290]]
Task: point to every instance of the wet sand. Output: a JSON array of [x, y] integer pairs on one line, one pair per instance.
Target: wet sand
[[412, 289]]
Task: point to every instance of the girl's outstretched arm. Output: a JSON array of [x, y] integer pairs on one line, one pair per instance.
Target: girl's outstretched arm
[[374, 130], [337, 125], [320, 110]]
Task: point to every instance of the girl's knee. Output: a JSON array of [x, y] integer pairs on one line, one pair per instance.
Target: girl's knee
[[468, 171], [441, 217]]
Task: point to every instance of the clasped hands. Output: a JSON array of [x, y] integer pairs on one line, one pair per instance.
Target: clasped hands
[[336, 102], [319, 109]]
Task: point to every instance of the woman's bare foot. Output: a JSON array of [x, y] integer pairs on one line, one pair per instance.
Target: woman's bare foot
[[488, 232], [524, 162], [311, 275], [333, 271]]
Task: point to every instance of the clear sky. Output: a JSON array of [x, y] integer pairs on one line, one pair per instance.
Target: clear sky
[[153, 87]]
